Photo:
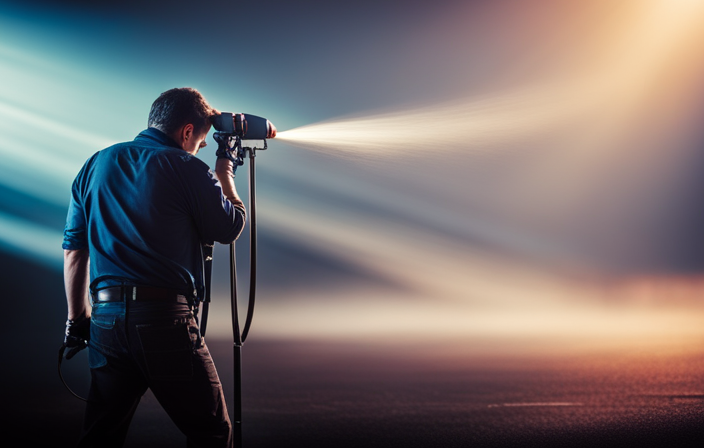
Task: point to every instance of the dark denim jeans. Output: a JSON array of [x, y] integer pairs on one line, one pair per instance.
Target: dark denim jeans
[[136, 346]]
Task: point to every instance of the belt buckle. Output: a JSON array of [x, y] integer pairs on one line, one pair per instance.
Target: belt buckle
[[129, 293]]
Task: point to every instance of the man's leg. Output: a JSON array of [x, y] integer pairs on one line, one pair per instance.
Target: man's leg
[[197, 406], [117, 384], [112, 402], [183, 378]]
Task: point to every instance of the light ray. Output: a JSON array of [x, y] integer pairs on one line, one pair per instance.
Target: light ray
[[31, 241], [609, 93]]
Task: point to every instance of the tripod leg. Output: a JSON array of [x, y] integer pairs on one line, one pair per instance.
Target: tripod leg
[[237, 355], [237, 411]]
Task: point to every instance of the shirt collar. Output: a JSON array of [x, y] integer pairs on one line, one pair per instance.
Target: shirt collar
[[155, 135]]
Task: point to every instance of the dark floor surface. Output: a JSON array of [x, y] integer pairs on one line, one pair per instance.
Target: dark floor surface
[[344, 395], [327, 394]]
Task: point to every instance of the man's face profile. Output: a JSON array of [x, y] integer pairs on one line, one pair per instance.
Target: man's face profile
[[195, 142]]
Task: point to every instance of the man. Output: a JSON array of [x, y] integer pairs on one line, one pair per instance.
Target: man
[[140, 212]]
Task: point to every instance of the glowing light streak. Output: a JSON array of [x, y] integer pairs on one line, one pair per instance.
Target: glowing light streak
[[35, 170], [450, 290], [31, 241], [453, 292], [50, 129], [472, 126], [434, 264], [40, 152], [358, 314], [37, 159], [608, 94]]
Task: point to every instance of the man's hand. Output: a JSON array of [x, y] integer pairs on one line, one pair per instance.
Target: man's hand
[[77, 335]]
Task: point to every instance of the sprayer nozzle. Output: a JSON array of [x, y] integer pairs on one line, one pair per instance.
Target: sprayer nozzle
[[271, 129]]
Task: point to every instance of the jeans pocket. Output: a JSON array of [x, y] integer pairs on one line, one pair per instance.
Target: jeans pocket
[[167, 350], [104, 321], [102, 338]]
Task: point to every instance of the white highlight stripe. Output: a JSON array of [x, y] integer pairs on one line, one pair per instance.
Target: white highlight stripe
[[44, 124], [30, 240], [468, 125]]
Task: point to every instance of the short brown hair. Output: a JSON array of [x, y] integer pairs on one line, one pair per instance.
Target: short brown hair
[[178, 107]]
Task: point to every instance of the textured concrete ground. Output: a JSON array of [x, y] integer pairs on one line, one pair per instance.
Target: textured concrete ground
[[343, 395]]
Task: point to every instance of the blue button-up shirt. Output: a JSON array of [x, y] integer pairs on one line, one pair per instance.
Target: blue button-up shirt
[[144, 209]]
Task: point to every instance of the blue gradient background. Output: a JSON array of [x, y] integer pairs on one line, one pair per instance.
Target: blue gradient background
[[540, 247]]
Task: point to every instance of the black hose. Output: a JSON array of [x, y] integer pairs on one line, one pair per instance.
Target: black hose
[[252, 245], [61, 357], [239, 338]]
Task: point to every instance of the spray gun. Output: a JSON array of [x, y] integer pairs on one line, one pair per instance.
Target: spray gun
[[231, 130]]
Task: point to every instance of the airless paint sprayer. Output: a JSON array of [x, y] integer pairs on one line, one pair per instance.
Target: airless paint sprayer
[[234, 133], [232, 130]]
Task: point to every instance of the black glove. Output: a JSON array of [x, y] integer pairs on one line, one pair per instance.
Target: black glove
[[77, 335]]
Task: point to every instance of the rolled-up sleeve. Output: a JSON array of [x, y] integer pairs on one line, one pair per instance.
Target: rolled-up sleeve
[[75, 236]]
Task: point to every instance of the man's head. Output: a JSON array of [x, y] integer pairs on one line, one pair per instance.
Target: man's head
[[184, 115]]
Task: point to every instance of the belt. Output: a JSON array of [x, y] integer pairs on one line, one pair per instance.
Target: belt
[[138, 294]]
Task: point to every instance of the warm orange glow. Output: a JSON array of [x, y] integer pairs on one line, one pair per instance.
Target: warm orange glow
[[456, 292], [559, 153], [610, 89]]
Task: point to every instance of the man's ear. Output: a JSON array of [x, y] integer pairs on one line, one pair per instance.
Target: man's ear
[[187, 132]]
